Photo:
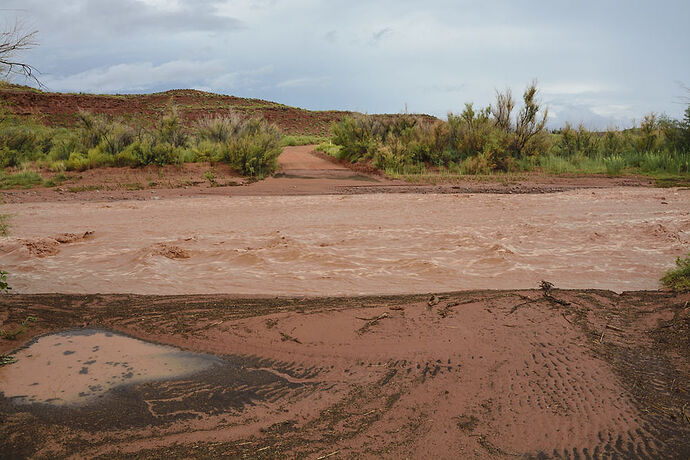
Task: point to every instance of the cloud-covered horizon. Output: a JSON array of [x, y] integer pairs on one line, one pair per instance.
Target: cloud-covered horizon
[[599, 63]]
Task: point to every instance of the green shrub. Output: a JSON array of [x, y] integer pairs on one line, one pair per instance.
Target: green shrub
[[614, 165], [329, 148], [477, 164], [255, 153], [4, 286], [678, 279]]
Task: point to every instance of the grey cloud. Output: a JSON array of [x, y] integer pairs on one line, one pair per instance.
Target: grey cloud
[[129, 15], [331, 36], [379, 34], [377, 55]]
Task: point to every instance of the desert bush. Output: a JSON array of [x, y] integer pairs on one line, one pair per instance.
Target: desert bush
[[218, 129], [611, 143], [255, 151], [530, 126], [399, 142], [355, 136], [678, 279], [170, 130], [477, 164]]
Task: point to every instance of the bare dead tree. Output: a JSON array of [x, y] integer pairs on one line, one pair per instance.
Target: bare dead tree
[[12, 43]]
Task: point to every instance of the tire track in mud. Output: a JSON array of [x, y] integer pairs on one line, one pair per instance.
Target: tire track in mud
[[600, 375]]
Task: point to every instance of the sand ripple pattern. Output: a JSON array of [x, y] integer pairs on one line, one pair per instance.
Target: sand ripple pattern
[[617, 238]]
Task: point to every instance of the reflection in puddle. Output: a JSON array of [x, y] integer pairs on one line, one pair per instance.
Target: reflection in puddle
[[80, 366]]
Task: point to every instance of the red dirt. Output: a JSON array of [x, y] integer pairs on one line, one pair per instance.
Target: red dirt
[[61, 109], [492, 374]]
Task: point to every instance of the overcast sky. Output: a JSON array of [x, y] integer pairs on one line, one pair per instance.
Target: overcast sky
[[600, 62]]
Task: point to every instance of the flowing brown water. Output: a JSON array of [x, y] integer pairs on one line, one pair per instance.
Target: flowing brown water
[[618, 238]]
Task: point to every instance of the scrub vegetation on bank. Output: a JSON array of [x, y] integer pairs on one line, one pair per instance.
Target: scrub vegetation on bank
[[678, 279], [251, 146], [506, 138]]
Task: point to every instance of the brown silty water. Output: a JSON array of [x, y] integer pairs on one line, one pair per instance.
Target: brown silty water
[[614, 238], [81, 366]]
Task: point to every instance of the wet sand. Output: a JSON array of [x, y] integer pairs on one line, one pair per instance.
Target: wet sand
[[614, 238], [473, 374]]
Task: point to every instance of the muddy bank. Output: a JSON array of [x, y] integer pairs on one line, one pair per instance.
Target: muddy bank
[[617, 238], [483, 373]]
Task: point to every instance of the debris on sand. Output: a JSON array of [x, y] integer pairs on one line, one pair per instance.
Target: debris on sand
[[288, 338], [433, 300], [447, 309], [467, 423], [371, 322], [546, 288]]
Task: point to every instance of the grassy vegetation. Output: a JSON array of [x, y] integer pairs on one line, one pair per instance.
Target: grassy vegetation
[[304, 139], [4, 231], [13, 334], [251, 146], [329, 148], [678, 279], [4, 286], [500, 138]]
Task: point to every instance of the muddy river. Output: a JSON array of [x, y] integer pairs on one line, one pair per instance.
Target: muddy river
[[615, 238]]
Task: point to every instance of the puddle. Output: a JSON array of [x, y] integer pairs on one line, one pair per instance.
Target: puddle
[[82, 366]]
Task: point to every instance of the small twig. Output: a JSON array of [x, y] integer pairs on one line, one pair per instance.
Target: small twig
[[512, 310], [374, 318], [371, 322], [370, 412], [601, 339], [328, 455], [285, 338], [614, 328], [566, 318], [262, 449], [208, 326]]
